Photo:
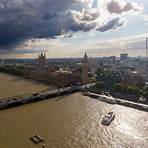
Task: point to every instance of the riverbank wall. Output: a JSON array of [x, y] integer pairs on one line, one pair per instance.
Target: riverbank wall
[[112, 100]]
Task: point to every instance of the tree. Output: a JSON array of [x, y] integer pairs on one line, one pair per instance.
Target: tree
[[100, 84], [134, 90], [118, 87]]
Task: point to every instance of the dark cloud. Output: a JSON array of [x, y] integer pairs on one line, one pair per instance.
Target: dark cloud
[[115, 6], [26, 19], [112, 24]]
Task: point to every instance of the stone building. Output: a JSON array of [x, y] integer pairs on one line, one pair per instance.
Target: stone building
[[85, 69], [40, 71], [61, 78]]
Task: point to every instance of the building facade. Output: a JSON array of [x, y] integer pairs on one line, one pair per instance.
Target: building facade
[[40, 71], [61, 78], [85, 69]]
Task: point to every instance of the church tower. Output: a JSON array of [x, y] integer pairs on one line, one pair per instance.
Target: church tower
[[85, 69], [41, 61]]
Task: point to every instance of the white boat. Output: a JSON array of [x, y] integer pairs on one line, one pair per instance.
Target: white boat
[[108, 118]]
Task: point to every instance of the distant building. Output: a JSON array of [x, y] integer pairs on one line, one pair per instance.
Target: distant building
[[85, 69], [41, 62], [112, 58], [123, 57], [62, 77], [2, 62], [39, 71], [74, 76], [66, 78]]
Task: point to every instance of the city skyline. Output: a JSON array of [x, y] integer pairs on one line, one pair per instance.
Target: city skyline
[[71, 27]]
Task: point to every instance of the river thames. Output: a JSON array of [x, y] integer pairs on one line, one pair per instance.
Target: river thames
[[73, 121]]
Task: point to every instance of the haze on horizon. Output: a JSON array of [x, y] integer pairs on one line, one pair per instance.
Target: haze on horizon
[[67, 28]]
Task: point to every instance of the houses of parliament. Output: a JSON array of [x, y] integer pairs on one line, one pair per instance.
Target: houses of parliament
[[42, 71]]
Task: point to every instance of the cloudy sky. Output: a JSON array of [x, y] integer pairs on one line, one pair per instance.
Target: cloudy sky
[[67, 28]]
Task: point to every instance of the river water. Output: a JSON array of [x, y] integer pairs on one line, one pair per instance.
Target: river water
[[73, 122]]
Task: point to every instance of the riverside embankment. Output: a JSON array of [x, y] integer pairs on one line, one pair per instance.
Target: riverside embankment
[[68, 121], [112, 100]]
